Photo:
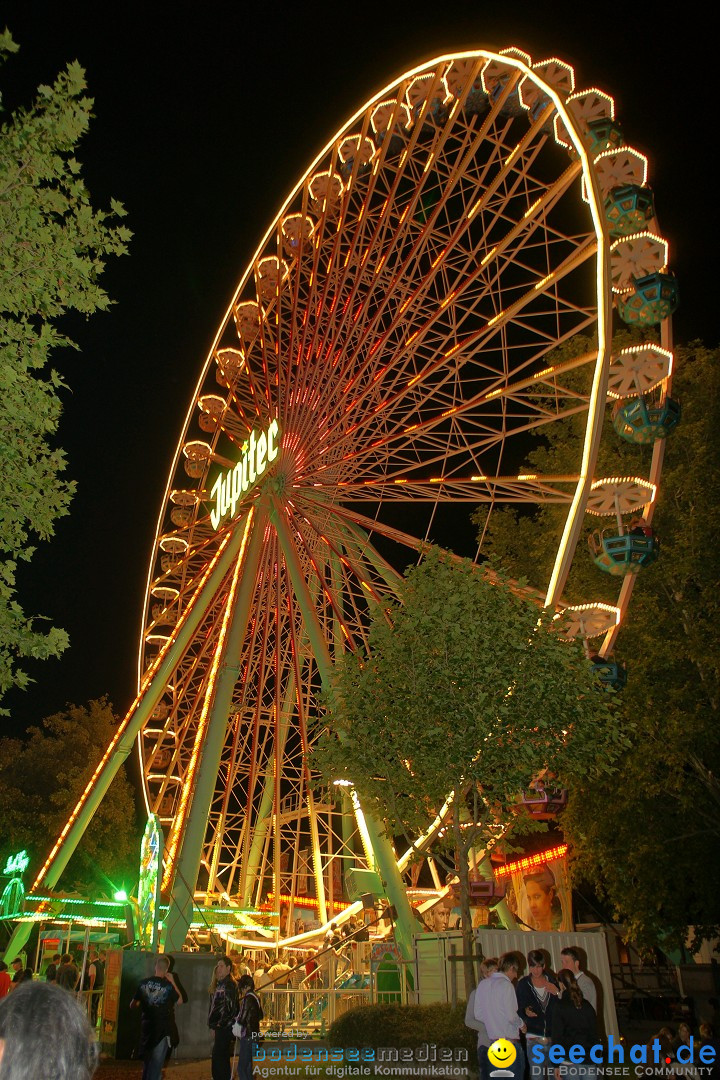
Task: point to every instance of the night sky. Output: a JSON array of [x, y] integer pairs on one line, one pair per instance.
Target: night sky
[[205, 118]]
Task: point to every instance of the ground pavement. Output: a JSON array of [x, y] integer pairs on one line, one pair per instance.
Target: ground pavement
[[130, 1070]]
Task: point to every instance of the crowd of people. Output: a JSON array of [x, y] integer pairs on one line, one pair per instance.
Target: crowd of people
[[235, 1009], [83, 974], [542, 1008], [539, 1008], [234, 1015]]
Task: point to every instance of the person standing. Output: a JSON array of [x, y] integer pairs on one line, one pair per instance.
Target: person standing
[[496, 1006], [570, 961], [93, 983], [18, 972], [221, 1017], [537, 995], [5, 981], [67, 973], [52, 968], [487, 967], [575, 1023], [247, 1026], [99, 963], [156, 997], [87, 971]]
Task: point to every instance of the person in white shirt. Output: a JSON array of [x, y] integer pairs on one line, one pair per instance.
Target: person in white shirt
[[496, 1006], [487, 967], [570, 959]]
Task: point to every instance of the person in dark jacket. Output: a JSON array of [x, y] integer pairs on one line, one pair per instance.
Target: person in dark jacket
[[248, 1026], [221, 1017], [574, 1022], [538, 995], [155, 997]]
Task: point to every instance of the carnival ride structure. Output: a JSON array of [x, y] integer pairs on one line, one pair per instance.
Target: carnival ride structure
[[385, 358]]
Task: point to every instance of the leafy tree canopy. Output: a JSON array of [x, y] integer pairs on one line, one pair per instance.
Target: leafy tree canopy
[[41, 779], [53, 248], [467, 689], [643, 837]]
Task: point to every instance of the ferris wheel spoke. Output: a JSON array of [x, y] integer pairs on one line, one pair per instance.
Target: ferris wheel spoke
[[461, 353], [399, 235], [345, 572], [332, 601], [478, 339], [474, 489], [435, 308], [472, 411], [499, 256], [375, 525]]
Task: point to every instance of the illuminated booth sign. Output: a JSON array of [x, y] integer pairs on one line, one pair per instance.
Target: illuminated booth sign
[[16, 864], [258, 452], [151, 851]]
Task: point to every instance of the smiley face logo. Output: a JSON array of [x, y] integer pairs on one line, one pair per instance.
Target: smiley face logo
[[502, 1053]]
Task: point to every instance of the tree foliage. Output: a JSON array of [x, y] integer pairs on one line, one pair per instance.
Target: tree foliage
[[53, 248], [643, 838], [41, 779], [467, 689]]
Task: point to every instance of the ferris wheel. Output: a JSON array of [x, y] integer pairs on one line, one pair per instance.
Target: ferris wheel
[[383, 360]]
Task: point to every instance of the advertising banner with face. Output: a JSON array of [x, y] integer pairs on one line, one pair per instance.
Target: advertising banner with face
[[541, 896]]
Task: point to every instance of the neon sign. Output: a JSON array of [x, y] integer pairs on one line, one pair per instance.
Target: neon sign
[[17, 864], [530, 862], [258, 452]]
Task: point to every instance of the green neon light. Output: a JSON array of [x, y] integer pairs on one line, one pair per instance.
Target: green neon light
[[11, 901], [85, 920], [72, 900], [121, 896], [151, 852], [17, 864], [258, 452]]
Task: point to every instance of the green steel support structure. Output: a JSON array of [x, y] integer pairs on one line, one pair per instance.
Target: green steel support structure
[[189, 852], [347, 815], [264, 816], [129, 730], [385, 861], [394, 581]]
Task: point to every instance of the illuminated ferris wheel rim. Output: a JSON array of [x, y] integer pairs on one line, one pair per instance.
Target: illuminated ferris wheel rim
[[513, 58], [464, 489]]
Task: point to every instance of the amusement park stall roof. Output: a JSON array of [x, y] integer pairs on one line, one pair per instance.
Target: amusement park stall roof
[[204, 120]]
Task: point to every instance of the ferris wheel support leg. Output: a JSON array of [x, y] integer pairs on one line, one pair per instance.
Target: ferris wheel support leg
[[249, 869], [123, 741], [189, 851], [348, 819], [367, 552], [385, 860]]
